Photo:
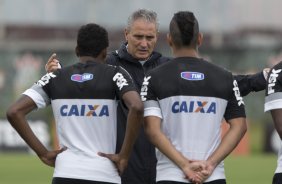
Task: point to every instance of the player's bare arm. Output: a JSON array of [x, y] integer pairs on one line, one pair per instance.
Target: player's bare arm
[[277, 119], [134, 122], [237, 130], [16, 115], [152, 126]]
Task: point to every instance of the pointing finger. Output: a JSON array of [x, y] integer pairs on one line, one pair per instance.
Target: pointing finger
[[53, 56]]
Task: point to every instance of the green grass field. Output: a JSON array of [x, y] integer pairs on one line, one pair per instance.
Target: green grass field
[[252, 169], [28, 169], [23, 169]]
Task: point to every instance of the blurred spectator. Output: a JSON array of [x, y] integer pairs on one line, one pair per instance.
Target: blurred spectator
[[27, 70]]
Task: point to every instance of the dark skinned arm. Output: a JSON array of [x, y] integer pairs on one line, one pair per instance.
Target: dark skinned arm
[[277, 118], [16, 115], [134, 122]]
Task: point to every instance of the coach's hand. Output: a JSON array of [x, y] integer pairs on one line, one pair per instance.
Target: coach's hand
[[49, 157], [118, 160], [52, 64]]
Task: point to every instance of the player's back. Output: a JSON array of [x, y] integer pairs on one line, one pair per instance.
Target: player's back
[[193, 77], [193, 95], [83, 98], [83, 101], [84, 81]]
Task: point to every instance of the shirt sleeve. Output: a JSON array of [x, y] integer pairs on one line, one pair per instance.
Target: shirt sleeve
[[123, 81], [38, 95], [273, 96], [250, 83], [235, 106], [151, 103], [40, 91]]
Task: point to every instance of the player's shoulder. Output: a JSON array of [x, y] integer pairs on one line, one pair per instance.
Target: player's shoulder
[[220, 71], [160, 59], [277, 66], [275, 70], [160, 69], [213, 66], [112, 70], [66, 69], [112, 58]]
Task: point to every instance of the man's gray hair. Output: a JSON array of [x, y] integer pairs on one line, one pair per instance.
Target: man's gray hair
[[148, 15]]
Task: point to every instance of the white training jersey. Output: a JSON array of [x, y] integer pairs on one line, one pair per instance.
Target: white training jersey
[[273, 100], [84, 99], [191, 96]]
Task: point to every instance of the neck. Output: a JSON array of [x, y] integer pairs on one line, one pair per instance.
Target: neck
[[84, 59], [185, 52]]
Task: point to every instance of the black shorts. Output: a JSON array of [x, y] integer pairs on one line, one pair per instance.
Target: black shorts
[[57, 180], [277, 178], [222, 181]]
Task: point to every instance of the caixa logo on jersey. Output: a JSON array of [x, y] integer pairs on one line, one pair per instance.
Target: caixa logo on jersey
[[272, 80], [194, 76], [194, 107], [84, 110], [82, 77]]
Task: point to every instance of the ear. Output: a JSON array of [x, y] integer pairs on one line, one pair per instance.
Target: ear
[[200, 39], [126, 33], [169, 39]]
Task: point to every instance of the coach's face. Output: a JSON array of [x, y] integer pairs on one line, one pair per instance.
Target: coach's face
[[141, 38]]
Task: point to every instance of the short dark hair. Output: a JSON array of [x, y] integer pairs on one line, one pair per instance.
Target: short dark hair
[[91, 40], [184, 29]]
